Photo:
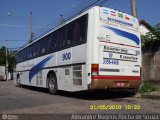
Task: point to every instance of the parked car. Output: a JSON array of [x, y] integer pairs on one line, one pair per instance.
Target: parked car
[[2, 73], [2, 77]]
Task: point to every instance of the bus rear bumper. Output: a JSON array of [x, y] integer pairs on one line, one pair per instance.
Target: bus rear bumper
[[109, 82]]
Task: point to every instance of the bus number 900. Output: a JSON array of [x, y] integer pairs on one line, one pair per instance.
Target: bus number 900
[[66, 56]]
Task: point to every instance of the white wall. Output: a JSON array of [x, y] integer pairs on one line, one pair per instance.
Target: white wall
[[143, 29]]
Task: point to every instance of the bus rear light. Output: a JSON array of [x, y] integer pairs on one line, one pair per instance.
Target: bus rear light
[[94, 69]]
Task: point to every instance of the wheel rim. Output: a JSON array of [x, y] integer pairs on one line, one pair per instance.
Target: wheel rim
[[51, 84]]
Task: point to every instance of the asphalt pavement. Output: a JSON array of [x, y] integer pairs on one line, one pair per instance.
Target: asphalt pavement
[[37, 102]]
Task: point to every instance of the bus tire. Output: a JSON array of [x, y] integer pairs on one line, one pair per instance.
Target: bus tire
[[52, 84], [18, 81]]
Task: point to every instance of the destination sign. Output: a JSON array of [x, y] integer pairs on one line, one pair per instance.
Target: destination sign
[[119, 21], [126, 57], [120, 50], [115, 49], [119, 56]]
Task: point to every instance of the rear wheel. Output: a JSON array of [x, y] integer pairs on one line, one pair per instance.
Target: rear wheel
[[52, 84]]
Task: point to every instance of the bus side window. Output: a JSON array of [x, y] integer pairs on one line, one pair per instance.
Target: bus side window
[[30, 51], [37, 49], [61, 40], [43, 48], [24, 54], [18, 58], [43, 45], [21, 55], [48, 41], [54, 41], [40, 50], [71, 28], [34, 50], [27, 52], [81, 30]]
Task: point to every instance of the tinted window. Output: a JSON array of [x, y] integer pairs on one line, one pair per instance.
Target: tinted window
[[17, 57], [27, 53], [43, 43], [81, 30], [54, 41], [24, 54], [48, 42], [61, 40], [34, 50], [20, 57], [30, 51], [71, 30], [38, 48]]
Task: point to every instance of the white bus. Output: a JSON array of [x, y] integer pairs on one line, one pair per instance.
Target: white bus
[[98, 49]]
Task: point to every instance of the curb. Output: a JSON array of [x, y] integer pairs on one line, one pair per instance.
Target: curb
[[150, 96]]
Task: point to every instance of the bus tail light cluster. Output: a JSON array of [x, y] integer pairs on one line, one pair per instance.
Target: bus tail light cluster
[[94, 69]]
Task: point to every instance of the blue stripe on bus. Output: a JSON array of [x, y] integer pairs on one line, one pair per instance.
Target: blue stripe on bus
[[125, 34], [35, 69]]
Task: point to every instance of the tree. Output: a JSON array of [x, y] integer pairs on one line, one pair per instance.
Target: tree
[[11, 58], [152, 36], [2, 55]]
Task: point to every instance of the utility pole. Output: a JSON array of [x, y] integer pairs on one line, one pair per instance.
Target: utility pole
[[31, 34], [133, 8], [6, 62]]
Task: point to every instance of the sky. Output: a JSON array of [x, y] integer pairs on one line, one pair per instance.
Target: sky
[[14, 15]]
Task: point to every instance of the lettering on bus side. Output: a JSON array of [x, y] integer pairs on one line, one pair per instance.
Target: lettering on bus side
[[111, 61], [66, 56]]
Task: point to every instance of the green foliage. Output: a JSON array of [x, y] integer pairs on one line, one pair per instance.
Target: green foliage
[[11, 57], [148, 87], [152, 36], [2, 56]]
